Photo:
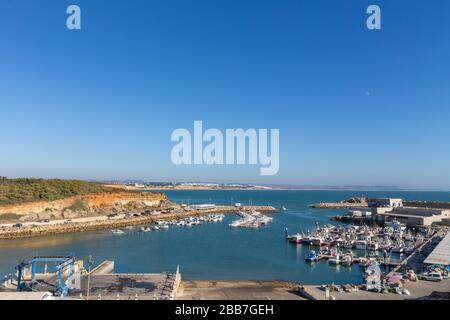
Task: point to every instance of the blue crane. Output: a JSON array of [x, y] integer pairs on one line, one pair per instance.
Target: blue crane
[[63, 262]]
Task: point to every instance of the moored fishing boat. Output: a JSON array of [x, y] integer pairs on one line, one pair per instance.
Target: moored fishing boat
[[372, 246], [338, 242], [311, 257], [361, 244], [363, 262], [326, 243], [317, 241], [398, 248], [348, 245], [347, 260], [335, 260], [307, 240], [386, 245], [296, 238]]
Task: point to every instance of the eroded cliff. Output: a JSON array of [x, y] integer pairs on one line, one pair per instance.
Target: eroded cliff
[[86, 205]]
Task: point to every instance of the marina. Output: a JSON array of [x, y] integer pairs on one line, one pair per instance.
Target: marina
[[252, 219], [185, 222], [319, 251], [184, 215], [385, 245]]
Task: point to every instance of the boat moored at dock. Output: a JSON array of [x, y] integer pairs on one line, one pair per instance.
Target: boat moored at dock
[[311, 257], [361, 244], [296, 238]]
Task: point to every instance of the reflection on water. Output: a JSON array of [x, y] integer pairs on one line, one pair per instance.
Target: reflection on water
[[50, 241]]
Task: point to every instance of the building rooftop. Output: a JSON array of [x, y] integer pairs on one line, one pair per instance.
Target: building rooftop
[[414, 212], [440, 254]]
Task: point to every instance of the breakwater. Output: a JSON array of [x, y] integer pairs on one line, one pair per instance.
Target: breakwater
[[338, 205], [43, 230]]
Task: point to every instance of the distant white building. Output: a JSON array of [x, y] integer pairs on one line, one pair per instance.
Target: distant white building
[[359, 213], [386, 202]]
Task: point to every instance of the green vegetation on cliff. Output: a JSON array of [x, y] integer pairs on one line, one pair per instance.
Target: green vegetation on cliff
[[16, 191]]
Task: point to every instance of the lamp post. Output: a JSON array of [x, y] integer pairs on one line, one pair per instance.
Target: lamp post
[[90, 262]]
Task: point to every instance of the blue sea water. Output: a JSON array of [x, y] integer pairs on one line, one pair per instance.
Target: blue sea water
[[214, 250]]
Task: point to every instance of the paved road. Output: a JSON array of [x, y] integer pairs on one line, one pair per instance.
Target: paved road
[[236, 290], [62, 221]]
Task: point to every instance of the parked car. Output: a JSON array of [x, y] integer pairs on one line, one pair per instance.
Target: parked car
[[431, 276], [18, 225]]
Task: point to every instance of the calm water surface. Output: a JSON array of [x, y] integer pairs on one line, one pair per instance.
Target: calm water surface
[[214, 250]]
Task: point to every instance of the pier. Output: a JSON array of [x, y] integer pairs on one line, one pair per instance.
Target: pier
[[74, 282]]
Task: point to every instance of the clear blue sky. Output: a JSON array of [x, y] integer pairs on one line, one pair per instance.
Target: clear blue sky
[[353, 106]]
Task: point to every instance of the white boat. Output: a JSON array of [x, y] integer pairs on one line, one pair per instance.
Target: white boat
[[164, 226], [335, 259], [317, 241], [154, 228], [338, 242], [312, 256], [361, 244], [348, 245], [296, 238], [117, 231], [145, 229], [347, 260], [398, 249], [254, 219], [363, 262], [283, 208], [307, 240], [386, 245], [395, 225]]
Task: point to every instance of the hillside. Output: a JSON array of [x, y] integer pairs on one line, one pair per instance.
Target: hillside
[[19, 191]]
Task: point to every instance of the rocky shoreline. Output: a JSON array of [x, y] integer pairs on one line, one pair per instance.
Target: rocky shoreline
[[84, 206], [355, 202]]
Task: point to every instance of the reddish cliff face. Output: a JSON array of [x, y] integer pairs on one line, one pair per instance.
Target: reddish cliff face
[[90, 203]]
